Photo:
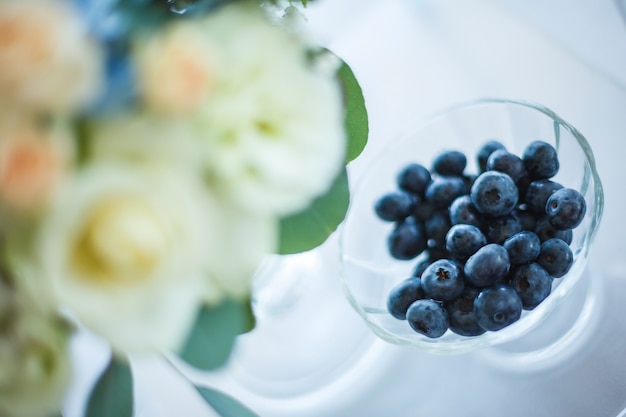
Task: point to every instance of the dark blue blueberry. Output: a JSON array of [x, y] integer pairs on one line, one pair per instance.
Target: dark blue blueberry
[[406, 240], [566, 208], [494, 193], [437, 252], [485, 150], [522, 247], [394, 206], [450, 163], [443, 280], [442, 191], [544, 230], [497, 307], [487, 266], [469, 179], [556, 257], [414, 178], [437, 227], [541, 160], [463, 240], [508, 163], [463, 211], [499, 229], [428, 317], [423, 210], [419, 268], [526, 218], [461, 313], [522, 185], [403, 295], [538, 193], [532, 283]]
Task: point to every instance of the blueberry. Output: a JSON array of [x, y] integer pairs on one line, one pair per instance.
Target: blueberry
[[463, 211], [403, 295], [428, 317], [469, 179], [463, 240], [423, 210], [437, 252], [526, 218], [497, 307], [522, 247], [544, 230], [532, 283], [419, 268], [494, 193], [414, 178], [522, 185], [394, 206], [443, 280], [461, 313], [556, 257], [436, 228], [566, 208], [538, 193], [499, 229], [450, 163], [487, 266], [508, 163], [442, 191], [406, 240], [485, 150], [541, 160]]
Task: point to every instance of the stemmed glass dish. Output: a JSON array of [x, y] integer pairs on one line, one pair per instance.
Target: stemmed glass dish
[[369, 272]]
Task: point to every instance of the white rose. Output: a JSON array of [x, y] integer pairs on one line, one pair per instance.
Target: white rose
[[146, 139], [125, 251], [34, 359], [246, 238], [274, 128], [46, 60]]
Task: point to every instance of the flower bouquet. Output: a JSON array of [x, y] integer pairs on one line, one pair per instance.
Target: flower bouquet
[[152, 152]]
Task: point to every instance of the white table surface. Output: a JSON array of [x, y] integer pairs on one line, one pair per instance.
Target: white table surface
[[412, 58]]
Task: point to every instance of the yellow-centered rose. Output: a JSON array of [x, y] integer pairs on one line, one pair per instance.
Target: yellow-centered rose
[[125, 250]]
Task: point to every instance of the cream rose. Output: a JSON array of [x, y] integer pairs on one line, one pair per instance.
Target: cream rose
[[274, 129], [176, 68], [125, 253], [46, 60]]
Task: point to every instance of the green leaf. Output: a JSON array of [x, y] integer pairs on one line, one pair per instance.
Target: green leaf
[[225, 405], [308, 229], [356, 120], [213, 334], [113, 393]]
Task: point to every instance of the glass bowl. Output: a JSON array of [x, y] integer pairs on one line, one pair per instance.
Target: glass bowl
[[368, 272]]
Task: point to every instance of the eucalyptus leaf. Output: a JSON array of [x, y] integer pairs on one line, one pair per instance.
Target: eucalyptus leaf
[[356, 119], [225, 405], [309, 229], [214, 331], [113, 393]]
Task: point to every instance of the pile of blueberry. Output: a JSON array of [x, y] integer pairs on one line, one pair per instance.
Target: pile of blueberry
[[487, 246]]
